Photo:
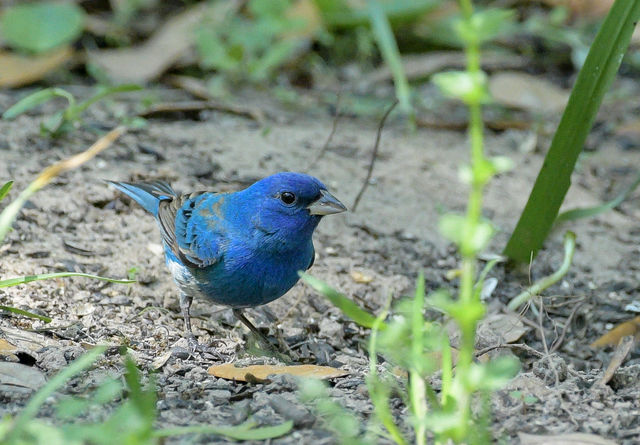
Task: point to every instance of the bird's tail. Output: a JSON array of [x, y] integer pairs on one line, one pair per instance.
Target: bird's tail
[[147, 194]]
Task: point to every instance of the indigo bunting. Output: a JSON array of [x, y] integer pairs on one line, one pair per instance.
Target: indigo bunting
[[241, 249]]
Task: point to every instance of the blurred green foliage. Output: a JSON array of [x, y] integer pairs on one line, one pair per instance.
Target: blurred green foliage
[[254, 45], [118, 411], [39, 27], [67, 119]]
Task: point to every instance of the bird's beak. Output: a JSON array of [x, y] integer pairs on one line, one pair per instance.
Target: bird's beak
[[327, 204]]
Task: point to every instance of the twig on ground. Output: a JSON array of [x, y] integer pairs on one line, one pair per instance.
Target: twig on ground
[[334, 126], [198, 89], [374, 155], [558, 342], [520, 346], [200, 105]]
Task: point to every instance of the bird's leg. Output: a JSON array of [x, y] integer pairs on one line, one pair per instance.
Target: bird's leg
[[185, 304], [240, 316], [285, 358]]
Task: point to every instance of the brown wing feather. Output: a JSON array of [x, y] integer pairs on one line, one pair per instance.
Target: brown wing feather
[[167, 211]]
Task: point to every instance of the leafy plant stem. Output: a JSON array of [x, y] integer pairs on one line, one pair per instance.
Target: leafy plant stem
[[542, 284], [380, 399], [416, 378], [474, 212]]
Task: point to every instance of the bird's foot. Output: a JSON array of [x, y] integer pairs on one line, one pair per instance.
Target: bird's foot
[[194, 346]]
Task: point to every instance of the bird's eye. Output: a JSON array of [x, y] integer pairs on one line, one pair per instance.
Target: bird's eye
[[288, 198]]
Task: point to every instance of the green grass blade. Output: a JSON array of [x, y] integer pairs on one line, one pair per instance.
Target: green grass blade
[[4, 190], [15, 310], [240, 432], [74, 112], [554, 178], [389, 49], [543, 283], [47, 276], [348, 307], [43, 394], [587, 212], [35, 99]]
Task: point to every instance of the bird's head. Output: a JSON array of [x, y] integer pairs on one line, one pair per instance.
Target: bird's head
[[290, 205]]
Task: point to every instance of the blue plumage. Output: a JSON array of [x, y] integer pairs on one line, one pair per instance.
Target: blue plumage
[[239, 249]]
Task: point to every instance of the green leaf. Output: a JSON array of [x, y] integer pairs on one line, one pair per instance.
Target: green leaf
[[389, 49], [71, 407], [4, 190], [485, 25], [468, 87], [39, 27], [73, 112], [15, 310], [495, 374], [348, 307], [47, 276], [453, 228], [554, 178], [244, 431], [35, 99], [343, 14], [587, 212]]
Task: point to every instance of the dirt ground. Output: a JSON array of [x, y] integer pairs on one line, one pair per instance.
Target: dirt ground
[[78, 223]]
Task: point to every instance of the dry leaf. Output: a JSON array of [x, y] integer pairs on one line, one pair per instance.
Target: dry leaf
[[563, 439], [6, 347], [161, 360], [17, 70], [584, 8], [523, 91], [360, 277], [260, 372], [421, 66], [17, 375], [508, 326], [28, 341], [164, 48], [593, 9], [613, 337], [622, 350]]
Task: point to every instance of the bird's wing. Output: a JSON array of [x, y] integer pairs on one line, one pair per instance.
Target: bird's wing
[[190, 236]]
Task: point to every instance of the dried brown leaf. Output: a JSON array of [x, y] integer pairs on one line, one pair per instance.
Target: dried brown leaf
[[6, 347], [17, 70], [622, 350], [261, 372], [509, 327], [21, 376], [531, 93], [563, 439], [423, 65], [613, 337], [163, 49]]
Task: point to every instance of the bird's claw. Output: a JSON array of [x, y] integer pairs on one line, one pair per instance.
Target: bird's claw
[[194, 346]]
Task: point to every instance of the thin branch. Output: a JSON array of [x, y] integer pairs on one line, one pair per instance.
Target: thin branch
[[325, 147], [374, 155]]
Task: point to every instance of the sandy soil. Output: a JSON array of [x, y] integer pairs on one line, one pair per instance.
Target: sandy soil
[[78, 223]]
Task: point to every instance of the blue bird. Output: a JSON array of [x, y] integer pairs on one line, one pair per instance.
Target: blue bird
[[240, 249]]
